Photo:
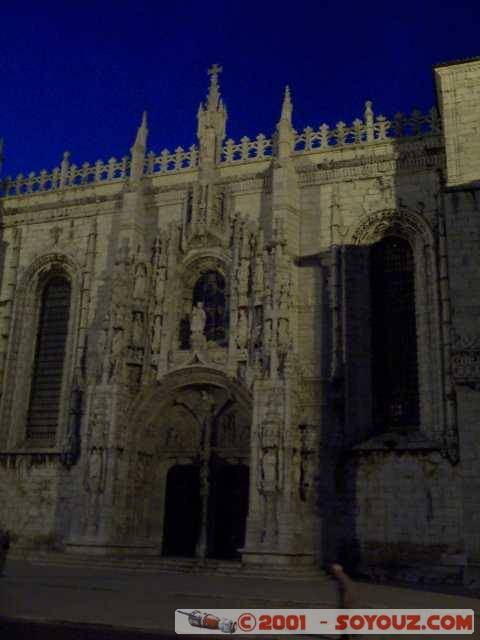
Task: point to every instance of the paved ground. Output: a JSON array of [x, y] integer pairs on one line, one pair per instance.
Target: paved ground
[[146, 603]]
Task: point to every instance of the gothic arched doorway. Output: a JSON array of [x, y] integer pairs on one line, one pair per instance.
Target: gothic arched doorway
[[201, 436], [181, 523]]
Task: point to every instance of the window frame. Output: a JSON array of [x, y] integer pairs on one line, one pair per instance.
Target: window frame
[[417, 231], [22, 349], [39, 328]]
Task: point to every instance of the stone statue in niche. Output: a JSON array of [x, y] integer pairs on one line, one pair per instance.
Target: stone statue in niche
[[242, 329], [116, 354], [139, 290], [269, 471], [94, 475], [197, 326], [199, 317], [284, 296], [210, 291], [257, 335], [308, 487], [71, 451], [94, 485], [118, 315]]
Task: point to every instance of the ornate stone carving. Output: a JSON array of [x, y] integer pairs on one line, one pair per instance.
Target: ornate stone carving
[[374, 226], [72, 443], [160, 286], [140, 288], [95, 468], [242, 328], [117, 352], [197, 326], [270, 469], [95, 473]]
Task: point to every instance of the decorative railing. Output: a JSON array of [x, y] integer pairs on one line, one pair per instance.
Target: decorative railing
[[247, 150], [67, 176], [167, 162], [371, 129]]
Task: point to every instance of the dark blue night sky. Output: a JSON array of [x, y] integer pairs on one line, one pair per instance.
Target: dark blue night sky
[[77, 75]]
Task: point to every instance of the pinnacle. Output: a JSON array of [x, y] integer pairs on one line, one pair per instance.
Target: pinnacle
[[142, 132], [287, 106], [213, 100]]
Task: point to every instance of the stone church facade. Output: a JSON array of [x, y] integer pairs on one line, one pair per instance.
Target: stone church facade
[[266, 349]]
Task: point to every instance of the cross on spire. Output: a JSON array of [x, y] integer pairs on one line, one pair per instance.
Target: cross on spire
[[214, 93], [214, 70]]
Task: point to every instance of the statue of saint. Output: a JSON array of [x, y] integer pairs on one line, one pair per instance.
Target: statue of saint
[[242, 329], [140, 283], [199, 317], [94, 471]]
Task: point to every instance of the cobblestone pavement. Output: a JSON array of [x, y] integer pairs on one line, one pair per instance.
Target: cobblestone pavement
[[138, 602]]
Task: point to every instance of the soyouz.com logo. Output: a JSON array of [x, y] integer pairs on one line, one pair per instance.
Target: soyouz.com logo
[[326, 621]]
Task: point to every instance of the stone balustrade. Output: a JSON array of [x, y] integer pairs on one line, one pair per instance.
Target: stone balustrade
[[168, 162], [247, 150], [369, 130]]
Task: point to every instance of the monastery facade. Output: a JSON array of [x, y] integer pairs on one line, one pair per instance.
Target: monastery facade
[[265, 350]]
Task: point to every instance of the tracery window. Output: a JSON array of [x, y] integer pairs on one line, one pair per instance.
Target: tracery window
[[394, 336], [210, 289], [51, 341]]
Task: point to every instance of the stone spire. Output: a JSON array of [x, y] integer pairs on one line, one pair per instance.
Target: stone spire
[[212, 119], [286, 115], [285, 132], [138, 150]]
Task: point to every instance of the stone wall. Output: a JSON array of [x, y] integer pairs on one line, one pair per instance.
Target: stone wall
[[458, 91], [35, 494], [409, 508], [290, 234]]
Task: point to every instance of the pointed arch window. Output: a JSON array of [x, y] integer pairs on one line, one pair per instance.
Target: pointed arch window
[[394, 335], [48, 368]]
